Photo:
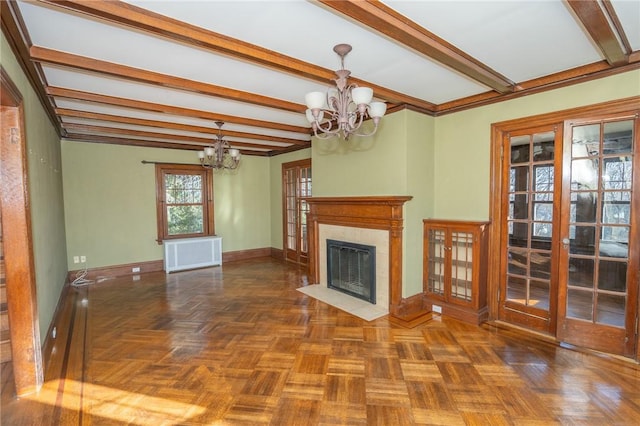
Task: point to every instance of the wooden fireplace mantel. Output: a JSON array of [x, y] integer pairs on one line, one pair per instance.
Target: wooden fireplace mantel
[[374, 212]]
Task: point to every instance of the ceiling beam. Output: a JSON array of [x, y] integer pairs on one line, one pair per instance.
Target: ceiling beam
[[72, 113], [75, 128], [169, 109], [387, 21], [141, 19], [79, 137], [601, 29], [49, 56]]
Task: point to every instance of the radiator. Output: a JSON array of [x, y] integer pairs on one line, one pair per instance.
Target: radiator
[[191, 253]]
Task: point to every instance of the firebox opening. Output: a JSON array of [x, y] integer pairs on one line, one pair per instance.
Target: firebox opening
[[351, 269]]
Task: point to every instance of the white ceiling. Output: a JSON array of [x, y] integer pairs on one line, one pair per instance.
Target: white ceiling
[[525, 43]]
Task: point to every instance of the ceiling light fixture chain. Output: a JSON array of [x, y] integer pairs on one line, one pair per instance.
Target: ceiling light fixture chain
[[220, 155], [346, 105]]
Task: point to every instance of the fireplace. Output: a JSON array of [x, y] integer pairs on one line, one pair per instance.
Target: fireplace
[[373, 221], [351, 269]]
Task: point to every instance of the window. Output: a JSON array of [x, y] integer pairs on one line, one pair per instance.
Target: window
[[184, 201]]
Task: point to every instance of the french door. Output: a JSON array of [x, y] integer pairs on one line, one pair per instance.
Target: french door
[[296, 184], [570, 231]]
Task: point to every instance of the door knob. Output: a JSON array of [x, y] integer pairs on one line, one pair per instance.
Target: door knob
[[565, 242]]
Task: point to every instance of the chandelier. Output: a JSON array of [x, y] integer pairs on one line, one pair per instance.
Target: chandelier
[[220, 155], [346, 106]]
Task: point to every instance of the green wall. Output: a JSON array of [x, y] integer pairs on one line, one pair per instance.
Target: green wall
[[463, 140], [397, 160], [109, 197], [45, 192]]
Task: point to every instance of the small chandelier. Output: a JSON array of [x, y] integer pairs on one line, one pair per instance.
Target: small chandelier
[[346, 106], [220, 155]]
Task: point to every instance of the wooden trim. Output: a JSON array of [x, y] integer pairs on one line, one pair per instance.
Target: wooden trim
[[277, 253], [411, 312], [596, 22], [50, 56], [169, 109], [207, 202], [18, 243], [65, 112], [377, 212], [182, 32], [292, 255], [628, 106], [14, 28], [387, 21], [558, 80], [114, 271], [49, 347], [199, 142], [234, 256], [108, 272]]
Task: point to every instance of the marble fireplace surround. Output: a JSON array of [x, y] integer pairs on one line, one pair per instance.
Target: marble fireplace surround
[[351, 217]]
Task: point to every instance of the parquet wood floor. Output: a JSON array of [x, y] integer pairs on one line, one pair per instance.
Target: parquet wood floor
[[239, 345]]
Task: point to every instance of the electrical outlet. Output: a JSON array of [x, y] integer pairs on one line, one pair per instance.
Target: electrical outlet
[[136, 269], [83, 259], [76, 259], [437, 309]]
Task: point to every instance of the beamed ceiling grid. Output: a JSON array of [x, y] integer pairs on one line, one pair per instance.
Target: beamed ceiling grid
[[158, 74]]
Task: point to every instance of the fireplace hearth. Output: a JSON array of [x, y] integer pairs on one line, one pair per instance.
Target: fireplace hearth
[[351, 269]]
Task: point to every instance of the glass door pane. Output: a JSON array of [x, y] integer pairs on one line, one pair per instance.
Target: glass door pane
[[596, 309], [599, 223], [530, 219]]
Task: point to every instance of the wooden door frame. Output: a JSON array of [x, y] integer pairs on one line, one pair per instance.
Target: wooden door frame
[[18, 244], [292, 164], [498, 131]]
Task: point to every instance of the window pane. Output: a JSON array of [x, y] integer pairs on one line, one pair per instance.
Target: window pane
[[583, 241], [580, 304], [586, 207], [185, 220], [612, 276], [519, 149], [581, 272], [183, 189], [517, 262], [543, 147], [618, 137], [611, 309], [542, 229], [543, 178], [586, 141], [539, 294], [519, 236], [584, 174], [541, 264], [521, 206], [617, 173], [617, 236]]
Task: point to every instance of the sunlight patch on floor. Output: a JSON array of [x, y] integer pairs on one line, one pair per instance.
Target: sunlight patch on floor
[[116, 404]]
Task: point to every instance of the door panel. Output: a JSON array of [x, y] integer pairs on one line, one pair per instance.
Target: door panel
[[296, 184], [598, 298], [529, 285]]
